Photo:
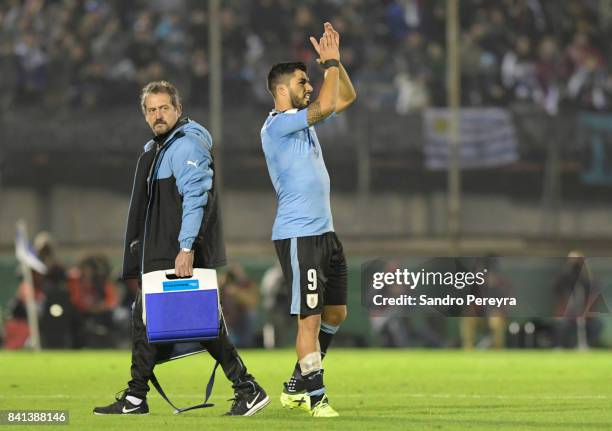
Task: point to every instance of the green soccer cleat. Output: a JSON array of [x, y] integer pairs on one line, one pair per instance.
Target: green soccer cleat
[[302, 401], [322, 409], [295, 401]]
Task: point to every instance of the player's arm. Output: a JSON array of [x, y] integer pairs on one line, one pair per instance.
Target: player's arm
[[325, 104], [346, 91]]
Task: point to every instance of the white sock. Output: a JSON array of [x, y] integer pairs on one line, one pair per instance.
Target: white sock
[[135, 401]]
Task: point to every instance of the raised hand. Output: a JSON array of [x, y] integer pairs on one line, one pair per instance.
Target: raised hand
[[328, 47], [330, 29]]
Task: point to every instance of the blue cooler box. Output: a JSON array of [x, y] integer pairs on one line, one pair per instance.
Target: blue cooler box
[[185, 309]]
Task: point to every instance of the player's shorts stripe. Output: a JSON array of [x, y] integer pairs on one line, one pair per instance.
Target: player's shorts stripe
[[295, 286]]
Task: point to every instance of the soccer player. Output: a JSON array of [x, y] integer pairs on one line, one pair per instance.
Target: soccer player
[[309, 251]]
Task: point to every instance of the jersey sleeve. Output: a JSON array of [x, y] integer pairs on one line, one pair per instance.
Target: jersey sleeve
[[288, 122], [194, 175]]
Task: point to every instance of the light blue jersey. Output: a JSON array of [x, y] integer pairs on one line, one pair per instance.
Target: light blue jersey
[[298, 173]]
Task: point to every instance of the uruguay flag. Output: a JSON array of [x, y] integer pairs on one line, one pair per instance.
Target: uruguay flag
[[486, 136]]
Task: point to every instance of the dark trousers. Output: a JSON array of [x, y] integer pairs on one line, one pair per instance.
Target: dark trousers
[[144, 356]]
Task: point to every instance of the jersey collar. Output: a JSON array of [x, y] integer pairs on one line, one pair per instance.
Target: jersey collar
[[288, 111]]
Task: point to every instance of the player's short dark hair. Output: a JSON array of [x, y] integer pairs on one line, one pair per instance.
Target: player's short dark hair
[[157, 87], [280, 71]]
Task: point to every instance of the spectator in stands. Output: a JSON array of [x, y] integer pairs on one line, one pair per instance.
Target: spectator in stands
[[551, 71], [45, 250], [91, 290], [275, 300], [577, 298], [519, 71], [239, 298], [58, 318], [492, 319], [95, 296]]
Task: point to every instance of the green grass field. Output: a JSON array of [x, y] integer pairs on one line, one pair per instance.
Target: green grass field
[[372, 389]]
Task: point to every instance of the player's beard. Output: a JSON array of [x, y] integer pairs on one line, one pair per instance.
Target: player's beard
[[299, 102]]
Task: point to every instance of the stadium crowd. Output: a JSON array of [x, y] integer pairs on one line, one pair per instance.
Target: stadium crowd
[[86, 53]]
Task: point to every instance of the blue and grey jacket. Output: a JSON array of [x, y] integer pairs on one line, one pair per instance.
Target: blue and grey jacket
[[174, 203]]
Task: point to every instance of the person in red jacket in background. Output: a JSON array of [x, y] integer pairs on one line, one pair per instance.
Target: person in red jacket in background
[[95, 297], [91, 290]]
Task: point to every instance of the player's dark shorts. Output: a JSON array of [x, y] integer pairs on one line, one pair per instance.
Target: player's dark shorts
[[315, 272]]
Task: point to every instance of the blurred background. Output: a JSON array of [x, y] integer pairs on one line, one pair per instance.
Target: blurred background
[[533, 175]]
